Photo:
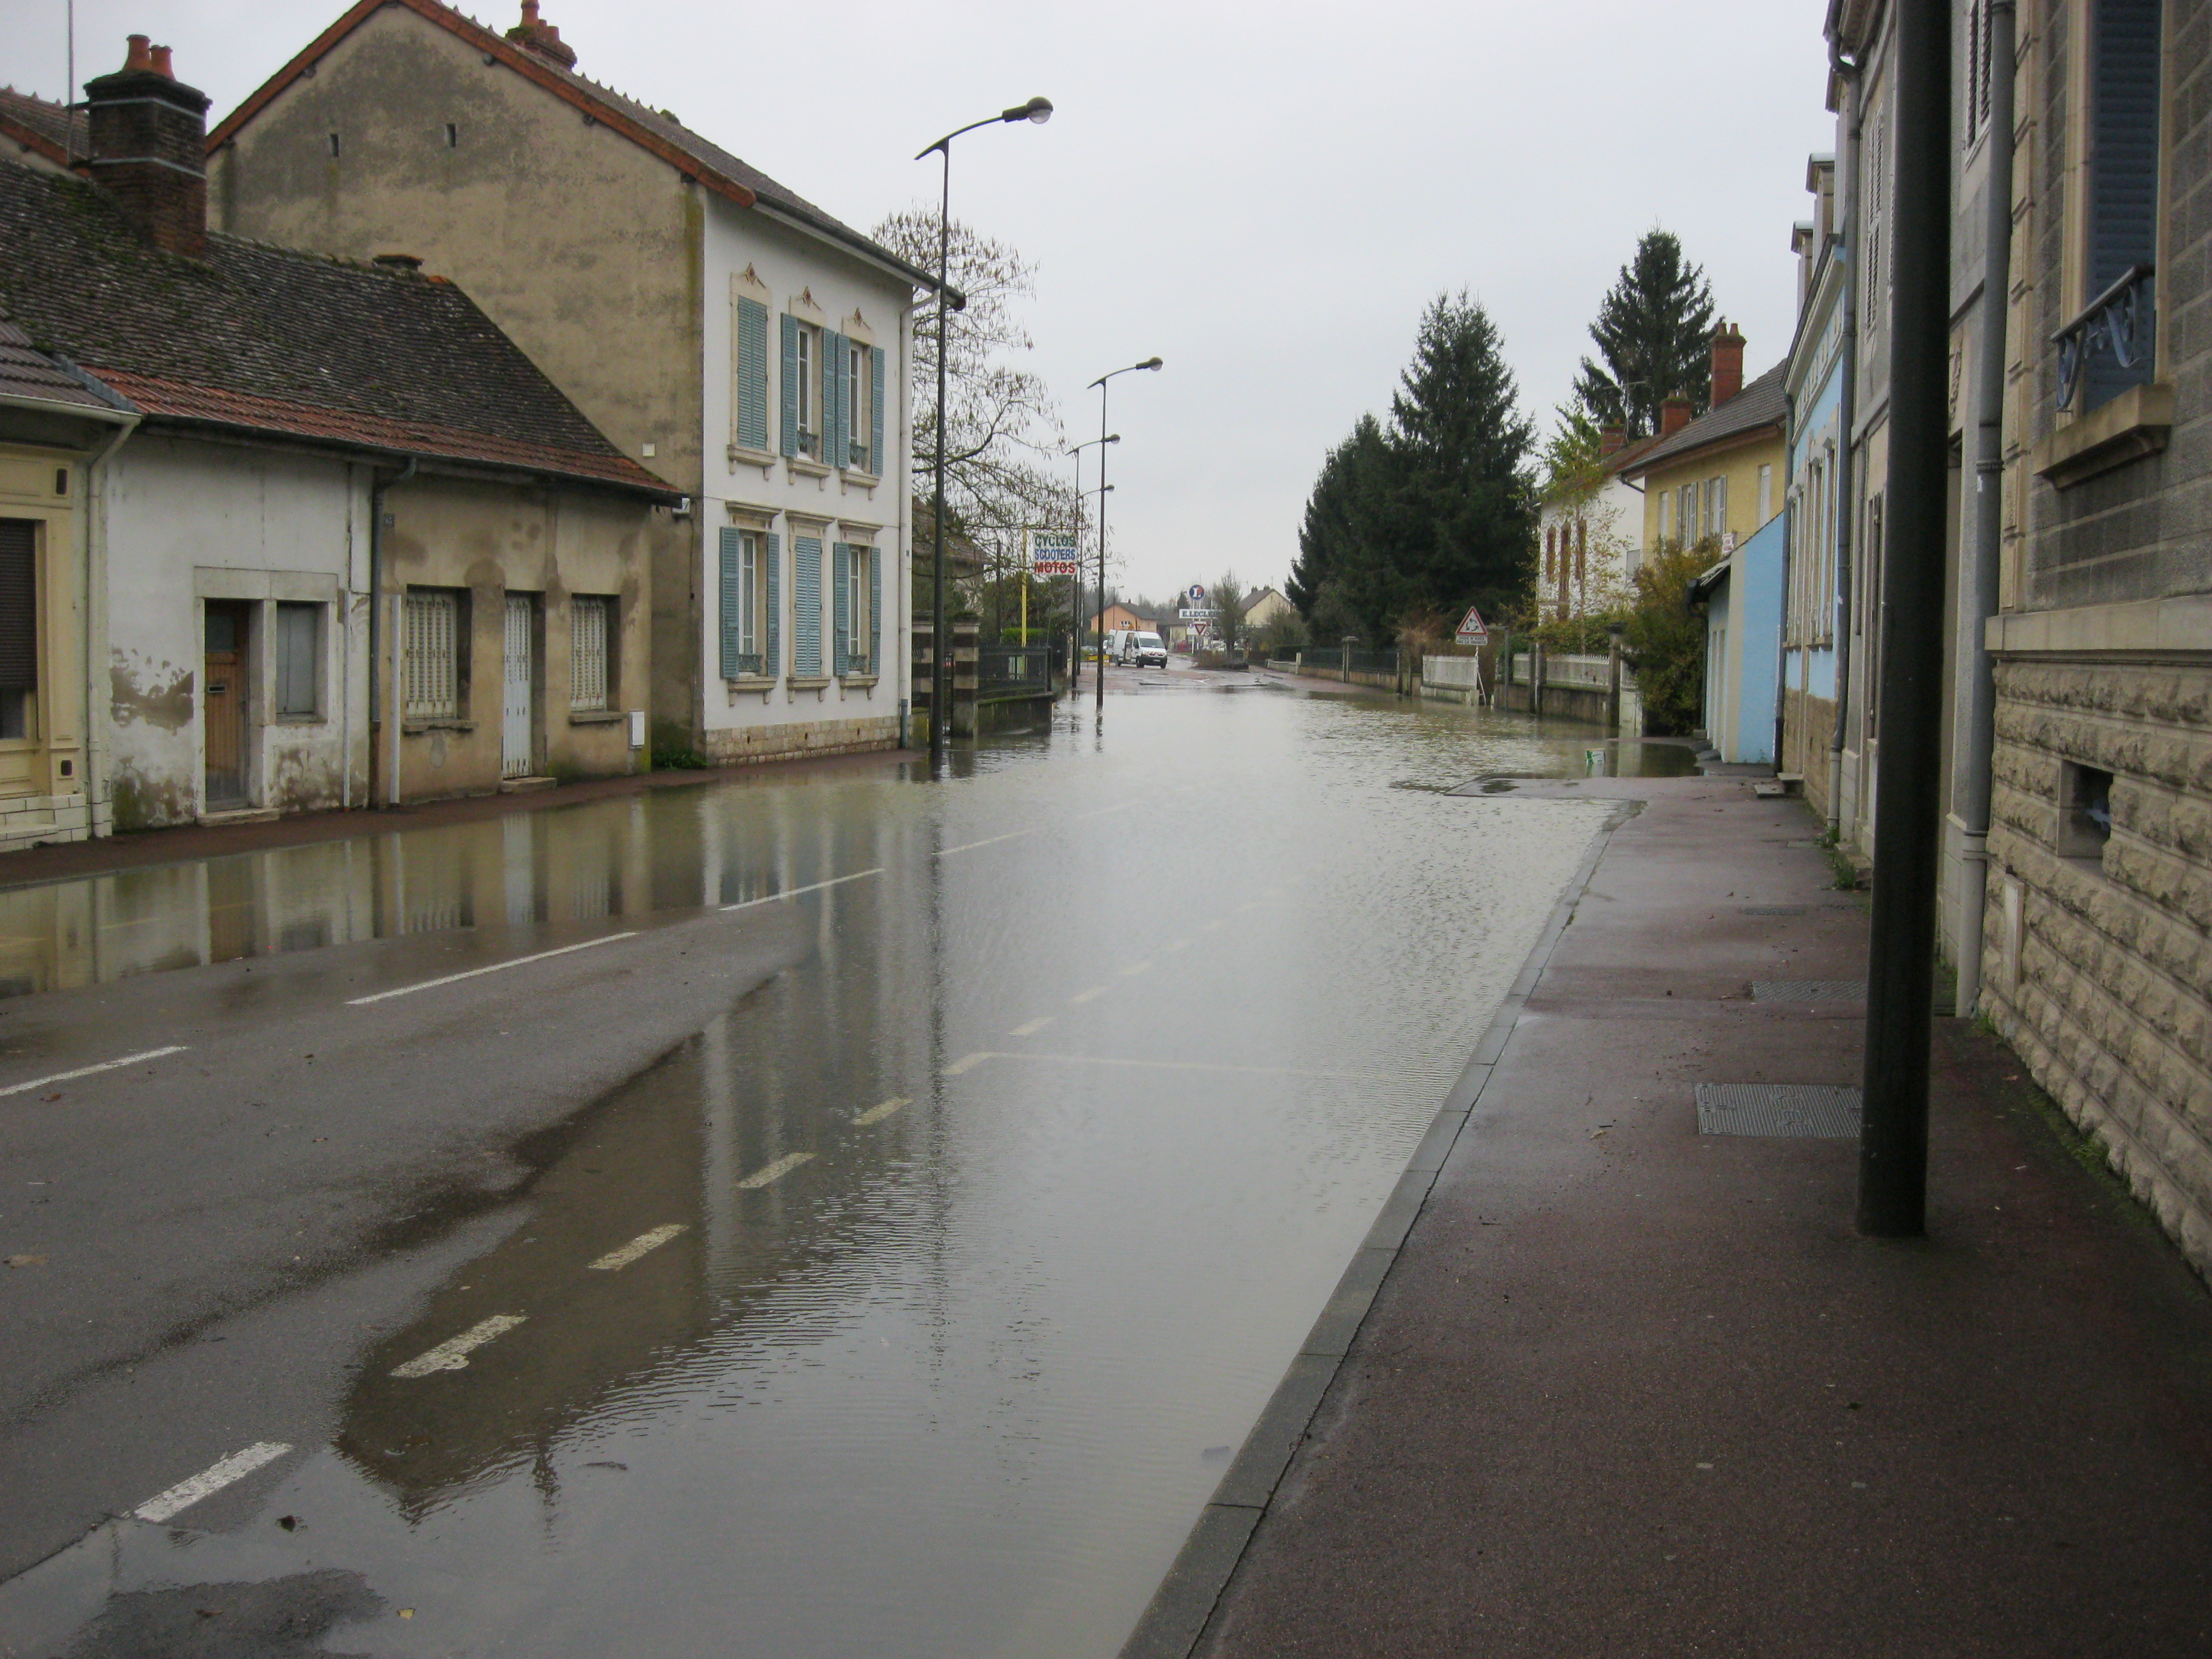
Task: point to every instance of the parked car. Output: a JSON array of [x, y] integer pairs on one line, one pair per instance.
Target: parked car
[[1145, 650]]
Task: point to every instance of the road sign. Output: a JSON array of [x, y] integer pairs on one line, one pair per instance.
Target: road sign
[[1053, 556], [1196, 594], [1471, 630], [1196, 613]]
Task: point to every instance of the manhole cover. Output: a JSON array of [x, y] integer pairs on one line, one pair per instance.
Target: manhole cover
[[1809, 990], [1771, 910], [1810, 1110]]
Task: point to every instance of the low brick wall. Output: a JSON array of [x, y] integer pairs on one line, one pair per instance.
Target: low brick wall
[[743, 745], [1809, 725], [42, 820], [2097, 969]]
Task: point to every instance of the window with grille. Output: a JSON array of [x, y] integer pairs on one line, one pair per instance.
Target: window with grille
[[19, 623], [431, 678], [591, 681], [299, 655]]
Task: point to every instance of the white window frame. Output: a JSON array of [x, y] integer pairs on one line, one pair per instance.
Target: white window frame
[[752, 570], [857, 370], [809, 392], [591, 673], [857, 659]]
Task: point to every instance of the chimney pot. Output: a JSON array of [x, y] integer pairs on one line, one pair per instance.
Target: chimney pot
[[1611, 437], [536, 36], [1727, 362], [1674, 414], [397, 261], [149, 147]]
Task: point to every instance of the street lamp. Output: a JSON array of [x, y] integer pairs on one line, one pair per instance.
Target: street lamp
[[1038, 110], [1075, 593], [1100, 383]]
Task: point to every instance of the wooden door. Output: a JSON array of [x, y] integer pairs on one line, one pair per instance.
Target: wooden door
[[224, 703], [516, 726]]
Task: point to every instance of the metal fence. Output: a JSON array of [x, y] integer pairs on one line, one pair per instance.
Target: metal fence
[[1013, 671]]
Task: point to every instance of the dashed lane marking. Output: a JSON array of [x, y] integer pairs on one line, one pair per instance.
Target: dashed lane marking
[[87, 1071], [209, 1480], [877, 1114], [967, 1063], [644, 1244], [1214, 925], [811, 887], [988, 840], [1192, 1065], [452, 1354], [1134, 968], [1085, 996], [1033, 1027], [773, 1172], [1177, 944], [495, 968]]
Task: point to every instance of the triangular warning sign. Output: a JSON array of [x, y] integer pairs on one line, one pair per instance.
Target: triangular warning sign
[[1471, 630]]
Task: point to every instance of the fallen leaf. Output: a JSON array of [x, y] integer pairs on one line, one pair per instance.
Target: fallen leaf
[[27, 1261], [406, 1613]]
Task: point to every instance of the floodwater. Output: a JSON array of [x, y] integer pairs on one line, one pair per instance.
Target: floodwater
[[987, 1229]]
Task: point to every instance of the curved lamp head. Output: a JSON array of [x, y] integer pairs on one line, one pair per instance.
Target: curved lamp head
[[1150, 362], [1038, 110]]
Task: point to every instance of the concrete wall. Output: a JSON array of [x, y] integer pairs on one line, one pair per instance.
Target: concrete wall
[[190, 521], [492, 540], [581, 246]]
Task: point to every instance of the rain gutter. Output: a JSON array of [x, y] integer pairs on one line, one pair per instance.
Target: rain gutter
[[1847, 415]]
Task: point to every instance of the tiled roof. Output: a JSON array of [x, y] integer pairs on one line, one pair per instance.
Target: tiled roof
[[1764, 402], [60, 132], [288, 343], [27, 371], [662, 134]]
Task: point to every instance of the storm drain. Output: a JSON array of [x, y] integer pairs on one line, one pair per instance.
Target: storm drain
[[1771, 910], [1778, 1109], [1809, 990]]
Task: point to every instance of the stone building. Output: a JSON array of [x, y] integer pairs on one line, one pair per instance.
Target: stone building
[[741, 343]]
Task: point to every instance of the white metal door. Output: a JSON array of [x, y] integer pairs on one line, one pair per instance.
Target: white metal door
[[515, 724]]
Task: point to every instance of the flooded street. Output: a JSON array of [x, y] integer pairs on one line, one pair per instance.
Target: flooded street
[[905, 1291]]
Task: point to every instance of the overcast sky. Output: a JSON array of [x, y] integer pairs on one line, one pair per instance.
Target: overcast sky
[[1264, 196]]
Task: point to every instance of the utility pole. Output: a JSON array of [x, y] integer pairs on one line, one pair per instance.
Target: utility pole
[[1900, 979]]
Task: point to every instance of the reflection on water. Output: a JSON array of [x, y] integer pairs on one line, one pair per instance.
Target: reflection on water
[[994, 1220]]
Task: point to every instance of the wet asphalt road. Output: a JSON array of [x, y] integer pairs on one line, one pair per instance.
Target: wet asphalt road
[[856, 1215]]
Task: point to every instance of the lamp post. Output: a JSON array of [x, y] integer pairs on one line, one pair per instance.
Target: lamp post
[[1038, 110], [1100, 383], [1075, 591]]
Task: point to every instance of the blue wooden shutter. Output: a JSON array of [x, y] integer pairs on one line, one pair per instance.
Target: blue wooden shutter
[[876, 412], [876, 588], [790, 384], [732, 601], [2123, 169], [752, 374], [771, 659], [806, 606], [836, 445], [841, 627]]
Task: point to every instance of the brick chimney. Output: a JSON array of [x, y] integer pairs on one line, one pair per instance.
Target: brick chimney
[[1674, 414], [1611, 437], [149, 147], [1727, 362], [543, 39]]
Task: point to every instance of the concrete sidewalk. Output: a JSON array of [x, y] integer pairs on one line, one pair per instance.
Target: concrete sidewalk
[[1629, 1389]]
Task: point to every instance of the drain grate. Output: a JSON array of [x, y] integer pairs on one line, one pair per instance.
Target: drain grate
[[1809, 1110], [1771, 910], [1809, 990]]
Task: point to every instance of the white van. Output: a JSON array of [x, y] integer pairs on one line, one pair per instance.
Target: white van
[[1146, 650]]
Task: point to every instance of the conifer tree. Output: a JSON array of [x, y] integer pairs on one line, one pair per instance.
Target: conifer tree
[[1654, 332]]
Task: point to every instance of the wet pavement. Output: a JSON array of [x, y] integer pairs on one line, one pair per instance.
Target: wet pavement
[[858, 1214]]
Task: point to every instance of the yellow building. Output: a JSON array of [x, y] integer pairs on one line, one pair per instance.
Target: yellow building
[[1721, 475]]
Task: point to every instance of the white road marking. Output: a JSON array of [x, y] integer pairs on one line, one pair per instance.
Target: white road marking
[[1033, 1027], [87, 1070], [811, 887], [1179, 944], [1085, 996], [991, 841], [1041, 829], [452, 1354], [1194, 1066], [496, 968], [1134, 968], [1211, 926], [967, 1063], [209, 1480], [644, 1244], [776, 1171], [877, 1114]]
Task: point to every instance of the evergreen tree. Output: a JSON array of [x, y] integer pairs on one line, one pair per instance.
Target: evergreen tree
[[1654, 330]]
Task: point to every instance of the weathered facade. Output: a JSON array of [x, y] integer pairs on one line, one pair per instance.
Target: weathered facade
[[736, 340], [355, 549]]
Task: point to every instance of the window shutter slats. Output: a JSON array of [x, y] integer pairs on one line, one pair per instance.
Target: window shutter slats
[[732, 600], [876, 586], [19, 605], [836, 448], [876, 412], [806, 606], [790, 384], [772, 657], [752, 375], [840, 630]]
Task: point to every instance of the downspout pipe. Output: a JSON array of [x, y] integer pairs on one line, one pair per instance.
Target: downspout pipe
[[1977, 683], [381, 729], [1847, 416]]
